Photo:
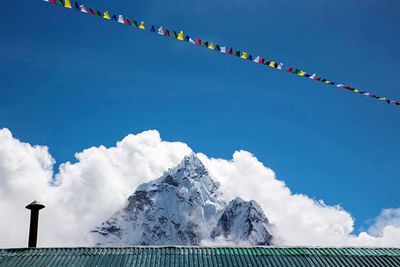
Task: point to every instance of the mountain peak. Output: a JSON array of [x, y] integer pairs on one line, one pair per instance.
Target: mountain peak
[[243, 222], [179, 208]]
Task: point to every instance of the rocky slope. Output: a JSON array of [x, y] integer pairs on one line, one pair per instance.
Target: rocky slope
[[184, 207]]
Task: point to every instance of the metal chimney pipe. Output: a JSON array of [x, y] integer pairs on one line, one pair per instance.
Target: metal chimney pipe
[[33, 228]]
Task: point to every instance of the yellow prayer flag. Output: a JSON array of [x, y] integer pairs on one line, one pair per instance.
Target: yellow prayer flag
[[211, 46], [142, 26], [272, 65], [106, 15], [244, 55], [180, 36], [67, 4]]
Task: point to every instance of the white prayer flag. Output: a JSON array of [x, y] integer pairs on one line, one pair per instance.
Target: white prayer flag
[[121, 19], [83, 9]]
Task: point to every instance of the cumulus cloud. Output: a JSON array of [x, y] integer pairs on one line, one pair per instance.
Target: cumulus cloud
[[85, 193]]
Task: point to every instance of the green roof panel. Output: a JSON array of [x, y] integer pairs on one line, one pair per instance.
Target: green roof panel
[[199, 257]]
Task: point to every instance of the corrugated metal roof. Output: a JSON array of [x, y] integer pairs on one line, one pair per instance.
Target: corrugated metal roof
[[199, 256]]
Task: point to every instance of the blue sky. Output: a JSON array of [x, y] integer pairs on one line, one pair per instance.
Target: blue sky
[[71, 81]]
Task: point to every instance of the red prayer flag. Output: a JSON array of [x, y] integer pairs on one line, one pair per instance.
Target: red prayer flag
[[166, 33]]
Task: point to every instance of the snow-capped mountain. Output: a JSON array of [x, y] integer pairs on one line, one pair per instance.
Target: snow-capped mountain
[[183, 207], [243, 222]]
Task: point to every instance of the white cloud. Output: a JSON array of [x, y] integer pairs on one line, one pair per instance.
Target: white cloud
[[90, 190]]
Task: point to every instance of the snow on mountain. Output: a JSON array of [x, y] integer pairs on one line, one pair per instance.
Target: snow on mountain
[[183, 207], [243, 222]]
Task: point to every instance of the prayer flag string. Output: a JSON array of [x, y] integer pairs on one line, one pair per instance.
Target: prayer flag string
[[181, 36]]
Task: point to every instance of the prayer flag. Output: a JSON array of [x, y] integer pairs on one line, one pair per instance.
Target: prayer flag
[[166, 33], [211, 46], [198, 42], [160, 31], [121, 19], [67, 4], [142, 27], [181, 36], [106, 15], [83, 9], [244, 55]]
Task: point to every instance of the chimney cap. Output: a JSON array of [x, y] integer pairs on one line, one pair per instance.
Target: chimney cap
[[35, 205]]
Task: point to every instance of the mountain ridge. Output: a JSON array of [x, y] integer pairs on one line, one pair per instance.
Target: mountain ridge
[[183, 207]]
